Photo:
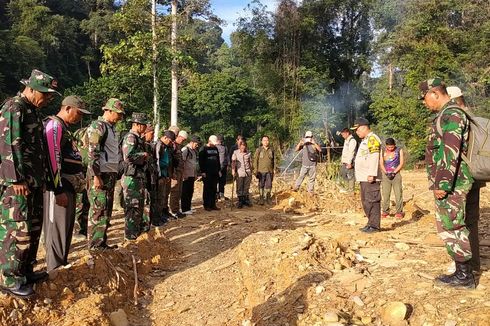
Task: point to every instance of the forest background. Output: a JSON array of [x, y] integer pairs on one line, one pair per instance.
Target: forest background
[[311, 64]]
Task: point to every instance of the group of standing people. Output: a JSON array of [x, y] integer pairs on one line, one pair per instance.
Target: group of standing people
[[51, 178]]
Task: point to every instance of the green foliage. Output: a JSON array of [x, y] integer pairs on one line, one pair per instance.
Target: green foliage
[[221, 103]]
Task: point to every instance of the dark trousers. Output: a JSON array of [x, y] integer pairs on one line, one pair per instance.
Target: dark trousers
[[222, 180], [187, 193], [58, 229], [371, 202], [209, 190], [265, 180], [471, 220]]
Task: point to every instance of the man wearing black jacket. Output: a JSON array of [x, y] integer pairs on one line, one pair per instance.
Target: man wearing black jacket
[[210, 171]]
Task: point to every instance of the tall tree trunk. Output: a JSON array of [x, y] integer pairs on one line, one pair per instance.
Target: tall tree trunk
[[175, 85], [156, 115]]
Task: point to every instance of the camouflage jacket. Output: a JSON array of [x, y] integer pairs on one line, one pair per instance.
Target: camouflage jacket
[[21, 144], [446, 169], [103, 153], [133, 151]]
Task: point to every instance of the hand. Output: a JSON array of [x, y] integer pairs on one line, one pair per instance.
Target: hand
[[371, 179], [440, 194], [21, 189], [62, 200], [220, 174], [98, 184], [349, 166]]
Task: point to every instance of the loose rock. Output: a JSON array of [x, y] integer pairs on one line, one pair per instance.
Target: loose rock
[[394, 313], [119, 318]]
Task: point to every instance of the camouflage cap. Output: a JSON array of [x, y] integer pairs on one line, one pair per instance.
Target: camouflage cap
[[114, 104], [428, 84], [360, 122], [41, 82], [75, 102], [139, 117]]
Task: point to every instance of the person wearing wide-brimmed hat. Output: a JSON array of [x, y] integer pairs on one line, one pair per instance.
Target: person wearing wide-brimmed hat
[[66, 178], [133, 181], [103, 154], [22, 179]]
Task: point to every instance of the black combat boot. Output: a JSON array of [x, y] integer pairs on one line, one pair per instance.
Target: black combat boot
[[462, 277], [246, 201], [261, 196], [240, 202], [23, 291]]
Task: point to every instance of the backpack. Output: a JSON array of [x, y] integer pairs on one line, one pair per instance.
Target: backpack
[[82, 141], [312, 155], [478, 154], [124, 168]]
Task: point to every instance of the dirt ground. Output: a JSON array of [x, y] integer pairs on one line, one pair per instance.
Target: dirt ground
[[302, 261]]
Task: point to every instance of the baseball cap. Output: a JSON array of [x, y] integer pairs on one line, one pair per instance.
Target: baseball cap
[[183, 134], [169, 134], [428, 84], [75, 102], [114, 104], [195, 139], [360, 122], [41, 82], [308, 134], [454, 91], [213, 139]]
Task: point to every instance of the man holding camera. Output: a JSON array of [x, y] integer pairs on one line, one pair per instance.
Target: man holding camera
[[311, 152]]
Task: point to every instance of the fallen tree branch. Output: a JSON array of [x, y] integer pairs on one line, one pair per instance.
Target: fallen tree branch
[[135, 291]]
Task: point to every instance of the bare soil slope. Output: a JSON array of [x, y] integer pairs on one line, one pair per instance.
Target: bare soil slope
[[301, 262]]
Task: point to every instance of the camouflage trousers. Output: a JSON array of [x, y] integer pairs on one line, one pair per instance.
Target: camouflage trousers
[[137, 220], [101, 201], [20, 229], [451, 225], [81, 212]]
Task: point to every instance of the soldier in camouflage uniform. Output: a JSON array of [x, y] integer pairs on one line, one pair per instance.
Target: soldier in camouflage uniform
[[22, 178], [133, 182], [103, 153], [449, 178]]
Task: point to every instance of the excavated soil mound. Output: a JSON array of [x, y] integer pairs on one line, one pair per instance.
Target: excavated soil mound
[[86, 291]]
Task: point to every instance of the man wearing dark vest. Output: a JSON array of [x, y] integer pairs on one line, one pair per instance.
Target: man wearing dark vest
[[65, 180]]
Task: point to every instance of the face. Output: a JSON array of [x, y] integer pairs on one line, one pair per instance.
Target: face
[[74, 115], [112, 116], [345, 135], [179, 140], [243, 147], [39, 99], [149, 136], [431, 100], [141, 129], [265, 141], [167, 141], [390, 148], [194, 145], [362, 131]]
